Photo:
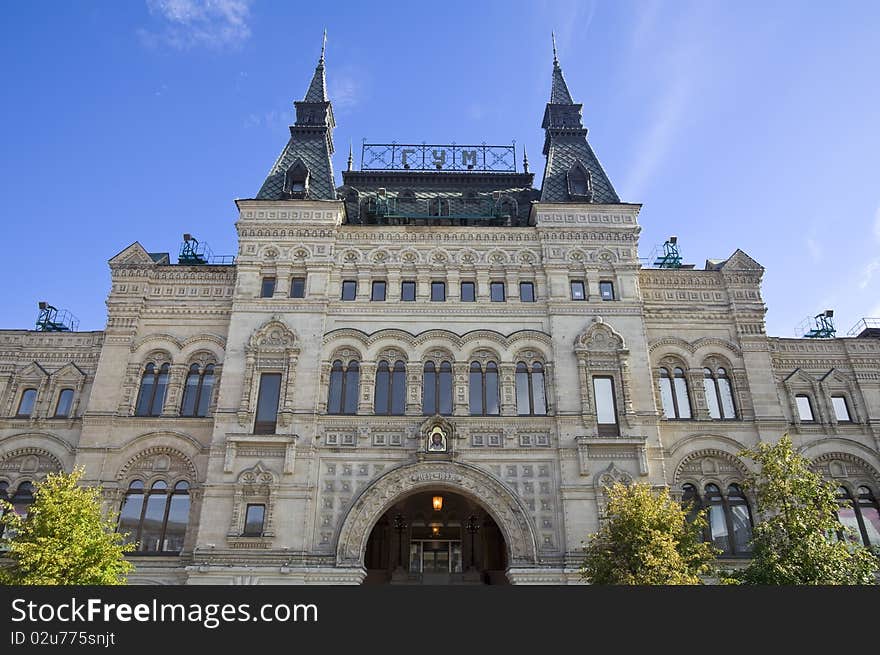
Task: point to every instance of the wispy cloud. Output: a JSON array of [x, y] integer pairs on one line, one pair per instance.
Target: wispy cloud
[[872, 266], [675, 60], [185, 24], [344, 90]]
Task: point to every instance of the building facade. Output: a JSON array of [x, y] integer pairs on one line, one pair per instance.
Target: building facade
[[426, 374]]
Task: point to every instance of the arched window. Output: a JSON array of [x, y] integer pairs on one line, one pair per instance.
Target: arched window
[[390, 396], [730, 520], [197, 391], [690, 500], [484, 390], [862, 515], [674, 394], [64, 404], [531, 398], [23, 498], [27, 402], [156, 521], [579, 181], [344, 385], [151, 396], [719, 394], [437, 389]]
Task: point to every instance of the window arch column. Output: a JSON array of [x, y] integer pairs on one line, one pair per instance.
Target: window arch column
[[367, 387], [461, 402], [413, 388], [173, 395], [507, 380], [699, 409]]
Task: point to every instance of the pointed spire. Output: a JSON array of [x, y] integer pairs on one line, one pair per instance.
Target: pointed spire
[[318, 88], [559, 94], [350, 157], [525, 160]]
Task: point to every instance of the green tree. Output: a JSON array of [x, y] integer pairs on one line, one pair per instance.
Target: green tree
[[647, 539], [796, 540], [65, 539]]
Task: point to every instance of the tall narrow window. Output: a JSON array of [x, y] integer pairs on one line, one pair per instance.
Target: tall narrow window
[[496, 292], [740, 520], [26, 404], [351, 388], [253, 520], [719, 394], [841, 411], [267, 289], [717, 521], [606, 290], [390, 393], [298, 287], [429, 389], [577, 290], [444, 389], [334, 400], [468, 292], [530, 396], [151, 396], [197, 391], [527, 291], [267, 403], [23, 498], [862, 515], [408, 290], [378, 291], [438, 291], [349, 289], [690, 500], [674, 394], [483, 388], [804, 408], [65, 402], [606, 407]]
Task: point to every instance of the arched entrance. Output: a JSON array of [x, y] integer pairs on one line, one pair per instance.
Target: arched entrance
[[470, 492], [436, 537]]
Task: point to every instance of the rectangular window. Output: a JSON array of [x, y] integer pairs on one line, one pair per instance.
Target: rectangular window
[[349, 289], [438, 291], [606, 408], [298, 287], [468, 292], [496, 291], [527, 291], [267, 403], [267, 290], [577, 290], [841, 411], [606, 290], [408, 290], [378, 292], [805, 410], [253, 522]]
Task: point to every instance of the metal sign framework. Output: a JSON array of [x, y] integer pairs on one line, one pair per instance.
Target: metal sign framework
[[438, 157]]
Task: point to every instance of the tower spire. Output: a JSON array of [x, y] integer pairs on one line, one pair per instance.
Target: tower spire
[[350, 156], [317, 91], [525, 160], [559, 94]]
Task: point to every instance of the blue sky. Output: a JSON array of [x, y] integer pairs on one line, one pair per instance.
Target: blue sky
[[744, 124]]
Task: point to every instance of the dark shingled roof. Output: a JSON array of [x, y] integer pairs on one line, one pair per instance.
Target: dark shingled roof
[[565, 144]]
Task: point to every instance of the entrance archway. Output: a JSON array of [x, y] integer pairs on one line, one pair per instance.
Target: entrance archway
[[475, 486], [436, 537]]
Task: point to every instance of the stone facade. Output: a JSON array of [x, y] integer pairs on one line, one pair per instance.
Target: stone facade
[[324, 479]]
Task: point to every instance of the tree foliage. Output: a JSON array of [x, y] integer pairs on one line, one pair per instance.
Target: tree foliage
[[646, 539], [797, 538], [65, 538]]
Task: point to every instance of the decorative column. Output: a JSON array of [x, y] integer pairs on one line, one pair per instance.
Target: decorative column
[[413, 388], [367, 387], [173, 398], [700, 410], [507, 380], [461, 404]]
